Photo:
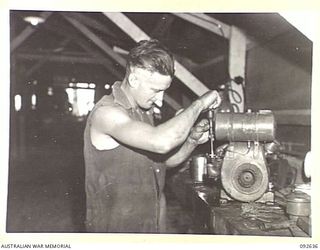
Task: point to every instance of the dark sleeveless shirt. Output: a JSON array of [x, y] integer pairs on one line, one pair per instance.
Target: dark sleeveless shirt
[[123, 185]]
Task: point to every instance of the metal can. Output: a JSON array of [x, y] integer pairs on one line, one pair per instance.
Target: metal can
[[250, 126], [198, 168], [298, 204]]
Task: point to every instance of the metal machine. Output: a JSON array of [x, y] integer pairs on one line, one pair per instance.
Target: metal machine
[[240, 164], [247, 181]]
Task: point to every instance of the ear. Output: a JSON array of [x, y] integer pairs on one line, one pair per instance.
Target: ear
[[133, 81]]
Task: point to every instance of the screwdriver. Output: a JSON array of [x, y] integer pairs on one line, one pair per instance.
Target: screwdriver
[[211, 137]]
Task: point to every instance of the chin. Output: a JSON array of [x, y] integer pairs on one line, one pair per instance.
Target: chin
[[146, 106]]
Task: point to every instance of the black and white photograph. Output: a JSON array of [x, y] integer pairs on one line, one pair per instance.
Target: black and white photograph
[[159, 123]]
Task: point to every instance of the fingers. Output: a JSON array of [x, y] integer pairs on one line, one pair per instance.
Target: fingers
[[202, 126], [211, 99], [203, 122], [204, 138], [217, 101], [201, 129]]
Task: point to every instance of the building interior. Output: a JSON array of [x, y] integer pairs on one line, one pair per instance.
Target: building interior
[[63, 62]]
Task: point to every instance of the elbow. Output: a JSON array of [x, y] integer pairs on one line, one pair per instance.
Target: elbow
[[168, 142], [164, 146], [171, 163]]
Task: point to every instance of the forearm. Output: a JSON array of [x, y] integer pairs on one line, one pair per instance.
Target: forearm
[[182, 154], [175, 131]]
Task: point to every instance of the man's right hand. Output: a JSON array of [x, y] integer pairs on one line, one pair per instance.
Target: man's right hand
[[211, 99]]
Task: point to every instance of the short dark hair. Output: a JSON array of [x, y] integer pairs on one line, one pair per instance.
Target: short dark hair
[[153, 56]]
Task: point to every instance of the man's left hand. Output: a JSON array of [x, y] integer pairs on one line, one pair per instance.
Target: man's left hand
[[199, 134]]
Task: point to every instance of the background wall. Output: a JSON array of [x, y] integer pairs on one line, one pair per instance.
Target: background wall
[[276, 83], [279, 84]]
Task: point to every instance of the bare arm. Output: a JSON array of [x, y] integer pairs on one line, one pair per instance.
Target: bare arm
[[115, 122], [198, 135]]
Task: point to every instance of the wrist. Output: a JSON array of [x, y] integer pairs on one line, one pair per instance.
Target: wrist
[[199, 105], [192, 141]]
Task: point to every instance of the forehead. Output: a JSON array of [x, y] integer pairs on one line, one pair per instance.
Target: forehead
[[153, 79]]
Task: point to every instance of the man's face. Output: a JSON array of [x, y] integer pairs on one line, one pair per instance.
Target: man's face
[[149, 87]]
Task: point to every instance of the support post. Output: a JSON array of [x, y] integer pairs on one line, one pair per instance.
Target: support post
[[237, 61]]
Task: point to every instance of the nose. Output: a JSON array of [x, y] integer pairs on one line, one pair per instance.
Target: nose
[[159, 99]]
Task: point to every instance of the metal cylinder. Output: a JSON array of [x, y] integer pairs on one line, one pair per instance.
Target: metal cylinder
[[198, 168], [298, 204], [250, 126]]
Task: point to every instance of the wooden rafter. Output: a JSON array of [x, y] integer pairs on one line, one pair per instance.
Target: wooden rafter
[[237, 62], [27, 32], [69, 33], [137, 34], [96, 40], [237, 49], [61, 58], [215, 26], [206, 22], [162, 26], [210, 62], [92, 23], [105, 61], [41, 62], [100, 43]]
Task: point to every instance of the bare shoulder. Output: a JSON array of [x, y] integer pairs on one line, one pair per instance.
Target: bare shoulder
[[105, 118]]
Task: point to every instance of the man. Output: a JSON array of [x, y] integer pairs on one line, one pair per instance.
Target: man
[[122, 148]]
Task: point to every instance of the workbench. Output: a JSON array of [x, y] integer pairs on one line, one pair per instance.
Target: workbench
[[213, 215]]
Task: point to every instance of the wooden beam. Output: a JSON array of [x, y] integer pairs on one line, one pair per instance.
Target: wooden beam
[[206, 22], [106, 62], [84, 44], [127, 26], [41, 62], [190, 80], [96, 40], [137, 34], [187, 62], [237, 62], [71, 59], [162, 26], [213, 25], [210, 63], [173, 103], [191, 65], [92, 23], [62, 58], [36, 67], [27, 32]]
